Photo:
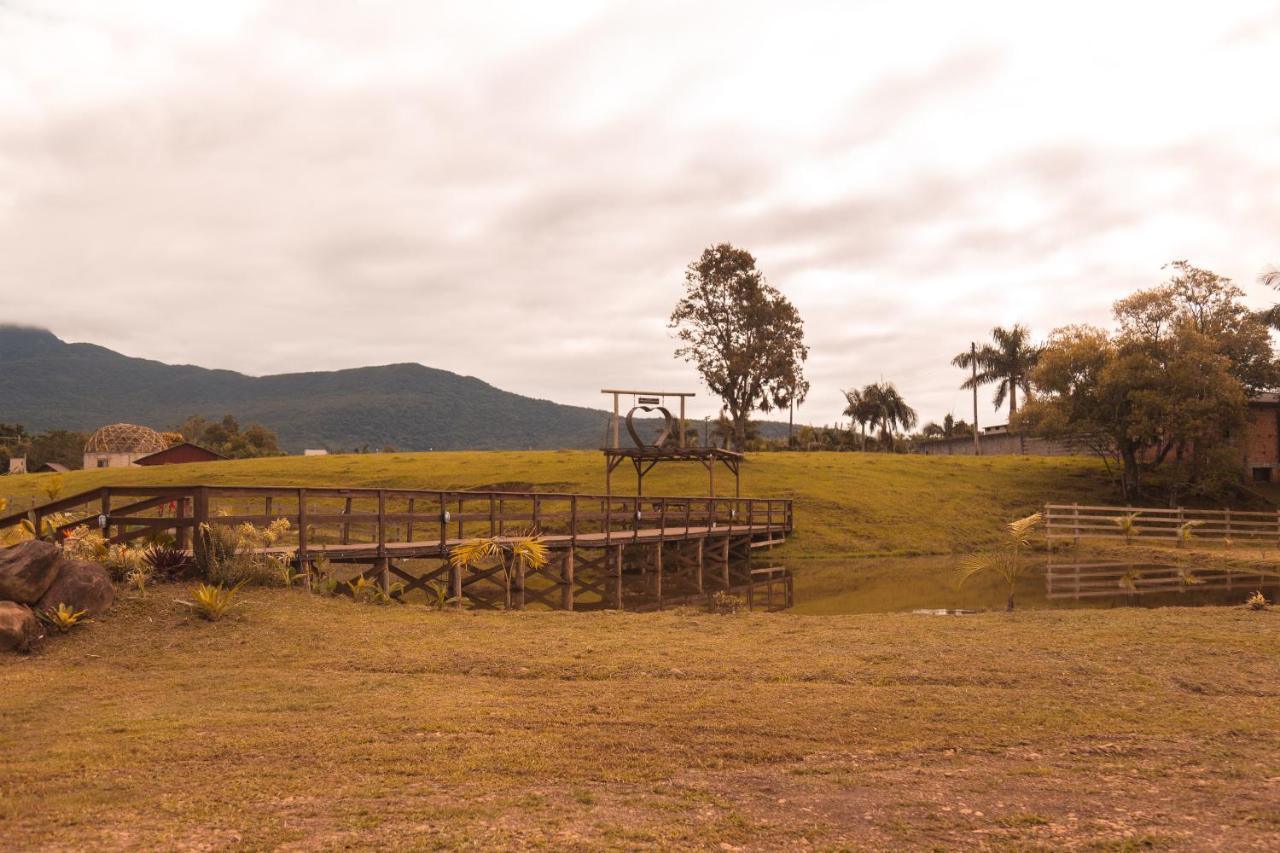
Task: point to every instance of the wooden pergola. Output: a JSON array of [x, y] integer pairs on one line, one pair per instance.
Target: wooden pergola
[[669, 446]]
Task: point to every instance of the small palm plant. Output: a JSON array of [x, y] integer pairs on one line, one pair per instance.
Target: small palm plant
[[515, 557], [64, 618], [213, 602], [1128, 524], [1007, 558], [1186, 532]]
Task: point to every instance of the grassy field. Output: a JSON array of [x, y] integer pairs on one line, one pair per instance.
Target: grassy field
[[847, 504], [311, 723]]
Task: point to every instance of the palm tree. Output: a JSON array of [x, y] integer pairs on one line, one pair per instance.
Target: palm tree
[[1270, 277], [1007, 361], [860, 410], [889, 410]]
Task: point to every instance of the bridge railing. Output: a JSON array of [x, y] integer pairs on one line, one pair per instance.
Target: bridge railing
[[377, 518]]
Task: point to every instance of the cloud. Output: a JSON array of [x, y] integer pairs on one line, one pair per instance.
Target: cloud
[[513, 192]]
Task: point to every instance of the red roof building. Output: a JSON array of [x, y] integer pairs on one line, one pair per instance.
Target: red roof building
[[178, 454]]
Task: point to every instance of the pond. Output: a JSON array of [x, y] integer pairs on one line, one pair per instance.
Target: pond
[[878, 585]]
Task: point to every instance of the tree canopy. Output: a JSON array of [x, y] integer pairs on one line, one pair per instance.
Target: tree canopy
[[745, 338], [1007, 362], [1168, 386]]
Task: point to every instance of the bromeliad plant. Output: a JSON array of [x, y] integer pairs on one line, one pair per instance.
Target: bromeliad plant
[[1007, 560], [1128, 525], [515, 556], [63, 619], [212, 602]]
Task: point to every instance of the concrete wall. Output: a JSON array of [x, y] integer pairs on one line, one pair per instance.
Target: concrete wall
[[1001, 444]]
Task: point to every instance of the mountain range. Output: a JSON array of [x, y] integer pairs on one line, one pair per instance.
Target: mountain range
[[47, 383]]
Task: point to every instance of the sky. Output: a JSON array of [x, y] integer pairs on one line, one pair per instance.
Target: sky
[[512, 191]]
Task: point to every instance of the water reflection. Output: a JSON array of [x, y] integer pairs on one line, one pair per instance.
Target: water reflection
[[1111, 580]]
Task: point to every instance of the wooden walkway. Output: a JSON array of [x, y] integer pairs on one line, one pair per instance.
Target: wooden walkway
[[618, 552]]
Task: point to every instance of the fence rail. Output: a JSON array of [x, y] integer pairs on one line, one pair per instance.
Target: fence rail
[[1076, 521]]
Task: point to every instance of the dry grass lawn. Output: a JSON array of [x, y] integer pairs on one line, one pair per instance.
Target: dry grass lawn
[[310, 723]]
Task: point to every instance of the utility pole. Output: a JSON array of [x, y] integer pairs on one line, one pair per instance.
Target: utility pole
[[973, 363], [791, 419]]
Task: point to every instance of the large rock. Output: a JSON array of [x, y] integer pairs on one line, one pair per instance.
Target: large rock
[[27, 570], [19, 627], [81, 586]]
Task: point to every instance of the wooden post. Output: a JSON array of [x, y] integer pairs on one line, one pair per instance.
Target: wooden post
[[682, 441], [455, 581], [384, 573], [657, 564], [566, 577], [302, 526], [614, 423], [573, 520], [1075, 522], [444, 525], [184, 532], [493, 520], [520, 578], [617, 577], [1228, 517], [346, 524], [699, 561], [408, 533]]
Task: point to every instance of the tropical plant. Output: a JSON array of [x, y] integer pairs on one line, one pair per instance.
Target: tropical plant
[[860, 410], [229, 555], [1005, 560], [1128, 525], [63, 618], [887, 409], [53, 487], [167, 561], [1007, 362], [213, 601], [1257, 601], [1186, 532], [515, 556]]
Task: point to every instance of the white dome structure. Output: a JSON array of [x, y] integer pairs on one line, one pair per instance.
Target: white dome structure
[[118, 445]]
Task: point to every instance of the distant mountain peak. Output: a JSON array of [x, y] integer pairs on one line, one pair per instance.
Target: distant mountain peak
[[24, 341]]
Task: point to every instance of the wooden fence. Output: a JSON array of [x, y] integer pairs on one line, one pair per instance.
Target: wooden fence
[[1076, 522]]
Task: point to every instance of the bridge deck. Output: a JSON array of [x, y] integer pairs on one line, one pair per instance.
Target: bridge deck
[[628, 552]]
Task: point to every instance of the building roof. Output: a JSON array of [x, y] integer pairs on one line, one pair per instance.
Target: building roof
[[56, 467], [183, 451], [124, 438]]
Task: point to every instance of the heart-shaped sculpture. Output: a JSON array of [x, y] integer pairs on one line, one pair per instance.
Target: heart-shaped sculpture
[[664, 436]]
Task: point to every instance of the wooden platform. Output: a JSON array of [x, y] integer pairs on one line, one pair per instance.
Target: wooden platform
[[613, 551]]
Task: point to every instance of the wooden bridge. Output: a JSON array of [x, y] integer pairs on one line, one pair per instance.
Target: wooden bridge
[[608, 551]]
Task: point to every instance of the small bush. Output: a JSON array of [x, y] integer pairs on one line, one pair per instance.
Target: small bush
[[727, 602], [212, 602], [62, 619], [1257, 601], [169, 562], [228, 556]]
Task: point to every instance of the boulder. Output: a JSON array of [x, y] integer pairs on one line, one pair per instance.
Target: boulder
[[27, 570], [80, 585], [19, 627]]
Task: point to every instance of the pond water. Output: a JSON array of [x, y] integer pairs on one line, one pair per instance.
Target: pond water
[[878, 585]]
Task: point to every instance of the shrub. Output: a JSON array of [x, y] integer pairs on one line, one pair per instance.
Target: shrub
[[1257, 601], [168, 562], [229, 556], [212, 602], [63, 619], [726, 603]]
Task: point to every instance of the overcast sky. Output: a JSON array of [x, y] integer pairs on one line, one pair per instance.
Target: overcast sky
[[513, 190]]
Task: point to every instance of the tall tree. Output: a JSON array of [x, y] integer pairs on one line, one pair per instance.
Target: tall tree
[[860, 410], [890, 411], [1270, 277], [1006, 362], [742, 334]]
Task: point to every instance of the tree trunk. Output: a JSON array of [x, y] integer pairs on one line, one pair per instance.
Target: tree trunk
[[1129, 477], [1008, 604], [1013, 400]]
